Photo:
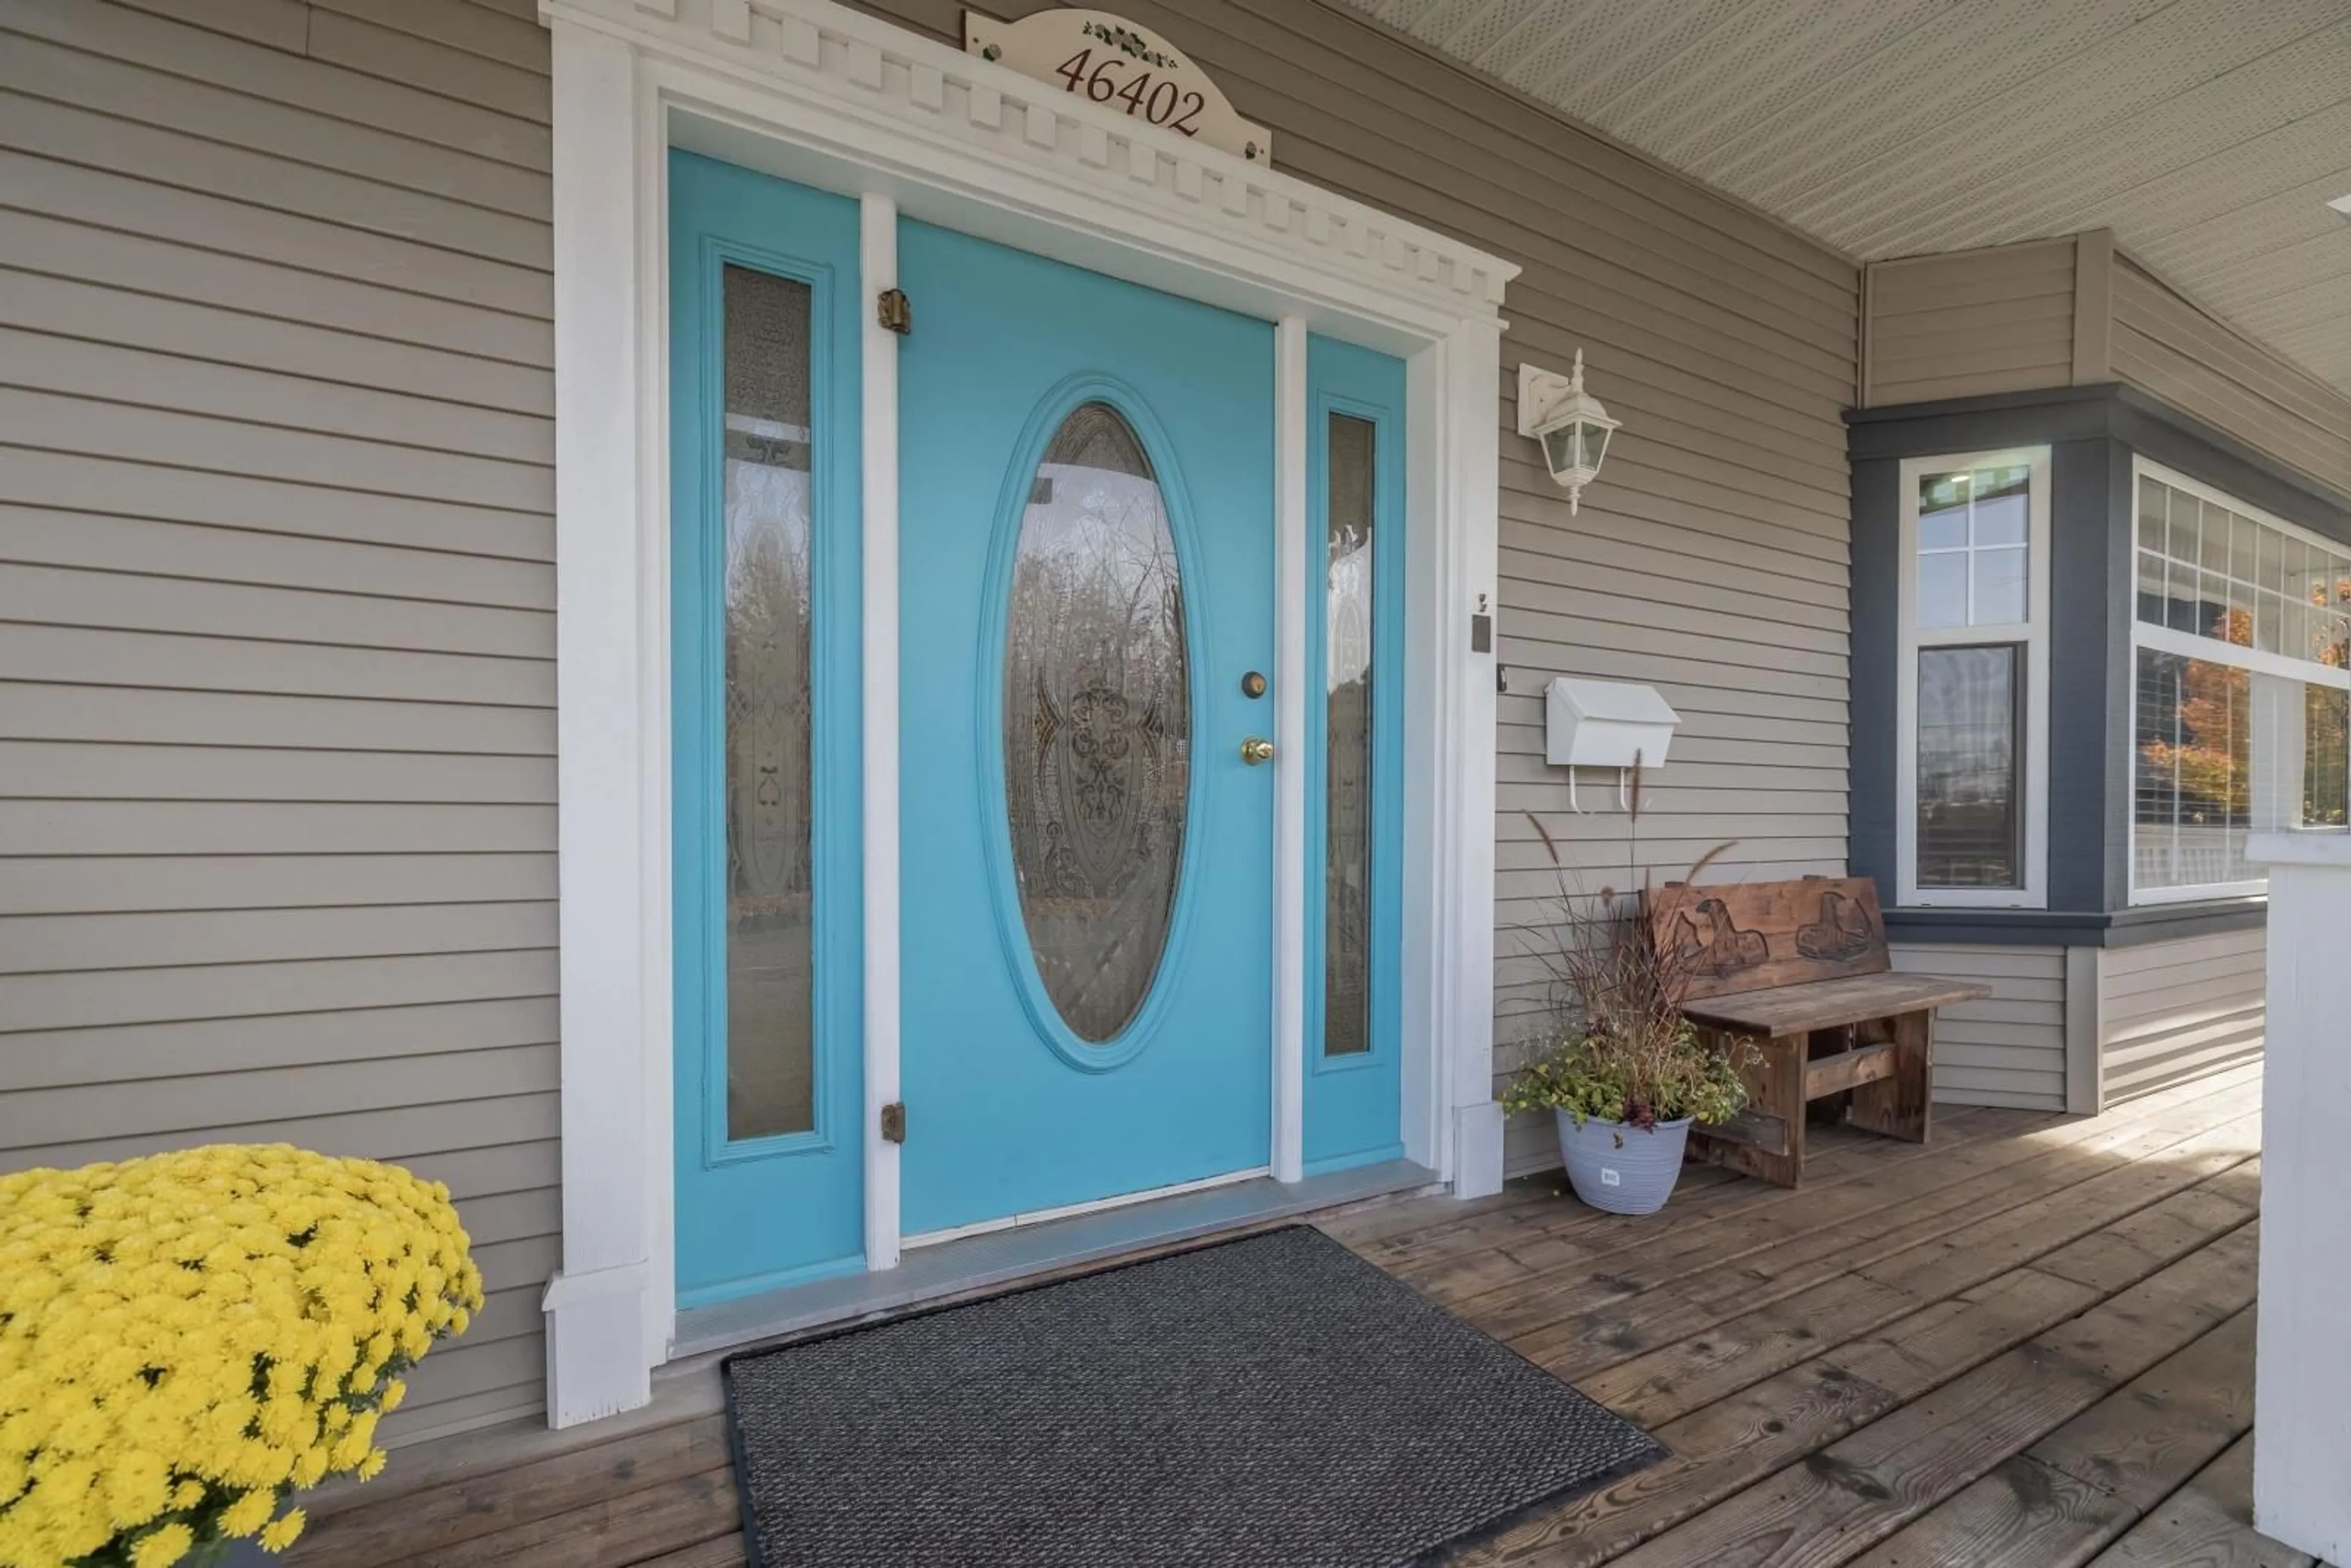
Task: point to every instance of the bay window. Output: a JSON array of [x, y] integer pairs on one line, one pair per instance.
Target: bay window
[[1973, 686], [2242, 718]]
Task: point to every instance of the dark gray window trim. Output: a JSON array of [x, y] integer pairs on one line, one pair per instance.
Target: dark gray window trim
[[2066, 928], [2092, 432], [2110, 411]]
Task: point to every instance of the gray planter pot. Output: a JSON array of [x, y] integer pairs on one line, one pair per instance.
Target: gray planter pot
[[1622, 1169]]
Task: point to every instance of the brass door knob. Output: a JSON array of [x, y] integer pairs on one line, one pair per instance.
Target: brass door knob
[[1256, 749]]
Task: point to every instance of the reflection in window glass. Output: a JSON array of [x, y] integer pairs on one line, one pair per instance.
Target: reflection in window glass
[[2152, 526], [2193, 796], [1943, 589], [770, 1020], [1348, 633], [1942, 517], [1974, 558], [2222, 752], [2000, 513], [2000, 588], [2326, 758], [1971, 767]]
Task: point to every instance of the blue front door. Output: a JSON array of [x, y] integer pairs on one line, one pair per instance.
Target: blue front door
[[1086, 585]]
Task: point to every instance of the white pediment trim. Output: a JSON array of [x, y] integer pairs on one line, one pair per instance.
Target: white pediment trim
[[921, 105]]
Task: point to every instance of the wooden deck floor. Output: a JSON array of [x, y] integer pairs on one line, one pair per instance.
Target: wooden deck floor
[[2030, 1344]]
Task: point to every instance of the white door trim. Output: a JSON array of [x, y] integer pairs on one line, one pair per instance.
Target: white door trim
[[878, 262], [812, 91]]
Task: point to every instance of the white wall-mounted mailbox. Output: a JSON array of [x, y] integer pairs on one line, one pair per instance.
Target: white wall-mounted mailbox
[[1606, 723]]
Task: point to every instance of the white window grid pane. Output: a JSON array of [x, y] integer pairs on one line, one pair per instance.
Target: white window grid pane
[[1978, 480], [2239, 580]]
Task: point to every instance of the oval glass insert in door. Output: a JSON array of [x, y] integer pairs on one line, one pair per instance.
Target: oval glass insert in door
[[1097, 722]]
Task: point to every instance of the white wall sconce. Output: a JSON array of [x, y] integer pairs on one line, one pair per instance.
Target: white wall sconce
[[1569, 424]]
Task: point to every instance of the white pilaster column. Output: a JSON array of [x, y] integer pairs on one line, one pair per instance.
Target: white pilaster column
[[1469, 587], [612, 820], [2302, 1375]]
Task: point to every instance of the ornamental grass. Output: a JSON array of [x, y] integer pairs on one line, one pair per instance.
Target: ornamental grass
[[188, 1340]]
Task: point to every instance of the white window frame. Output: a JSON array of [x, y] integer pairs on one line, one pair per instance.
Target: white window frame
[[2032, 636], [2190, 646]]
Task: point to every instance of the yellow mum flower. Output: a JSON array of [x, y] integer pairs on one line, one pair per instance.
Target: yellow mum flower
[[138, 1488], [248, 1513], [161, 1548], [310, 1466], [141, 1305], [282, 1531]]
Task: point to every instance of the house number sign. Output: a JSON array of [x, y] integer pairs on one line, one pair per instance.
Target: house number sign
[[1098, 57]]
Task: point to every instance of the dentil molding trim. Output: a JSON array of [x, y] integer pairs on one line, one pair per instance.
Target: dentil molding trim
[[874, 69]]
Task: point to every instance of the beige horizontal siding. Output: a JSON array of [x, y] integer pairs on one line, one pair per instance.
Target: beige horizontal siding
[[2176, 1010], [2196, 363], [1977, 321], [2009, 1048], [276, 608]]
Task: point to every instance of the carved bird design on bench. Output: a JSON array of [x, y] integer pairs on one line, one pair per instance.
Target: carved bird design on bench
[[1842, 932], [1724, 949]]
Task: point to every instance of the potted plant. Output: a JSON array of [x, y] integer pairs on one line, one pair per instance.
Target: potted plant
[[1624, 1103], [1623, 1073]]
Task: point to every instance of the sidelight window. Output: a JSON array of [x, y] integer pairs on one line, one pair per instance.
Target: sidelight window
[[771, 959]]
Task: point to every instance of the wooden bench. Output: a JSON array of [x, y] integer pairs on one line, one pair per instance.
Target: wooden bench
[[1801, 969]]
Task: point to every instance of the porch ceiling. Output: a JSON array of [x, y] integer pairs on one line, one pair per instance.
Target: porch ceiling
[[2208, 134]]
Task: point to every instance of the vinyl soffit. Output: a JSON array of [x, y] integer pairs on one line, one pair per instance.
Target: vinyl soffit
[[2211, 135]]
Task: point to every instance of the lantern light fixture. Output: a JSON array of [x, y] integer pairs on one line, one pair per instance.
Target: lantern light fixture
[[1568, 422]]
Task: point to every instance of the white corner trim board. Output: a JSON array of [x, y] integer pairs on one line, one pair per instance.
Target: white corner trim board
[[812, 91], [2302, 1358]]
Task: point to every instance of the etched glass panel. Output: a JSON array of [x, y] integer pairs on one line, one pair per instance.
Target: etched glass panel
[[1097, 722], [770, 1023], [1347, 740]]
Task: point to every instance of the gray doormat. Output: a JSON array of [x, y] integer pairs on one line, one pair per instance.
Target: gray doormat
[[1270, 1402]]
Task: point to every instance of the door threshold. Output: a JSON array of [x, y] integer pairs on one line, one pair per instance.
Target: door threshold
[[1123, 1200], [981, 1261]]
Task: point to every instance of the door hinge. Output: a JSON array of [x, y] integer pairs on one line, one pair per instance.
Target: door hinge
[[895, 311], [894, 1122]]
